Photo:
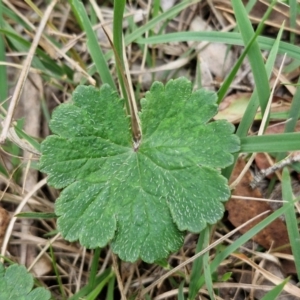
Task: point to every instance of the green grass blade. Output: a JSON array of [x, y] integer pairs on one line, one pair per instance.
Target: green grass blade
[[136, 34], [94, 267], [119, 6], [88, 288], [293, 117], [58, 277], [41, 60], [197, 268], [45, 110], [226, 84], [294, 112], [276, 291], [230, 77], [167, 15], [254, 54], [271, 143], [293, 18], [92, 43], [253, 104], [36, 215], [206, 268], [11, 15], [250, 5], [290, 217], [93, 15], [243, 239], [120, 60], [97, 290], [230, 38], [111, 289], [3, 76], [180, 291], [156, 8], [33, 142]]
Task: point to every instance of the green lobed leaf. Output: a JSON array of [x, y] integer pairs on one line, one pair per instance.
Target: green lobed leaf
[[141, 197], [17, 283]]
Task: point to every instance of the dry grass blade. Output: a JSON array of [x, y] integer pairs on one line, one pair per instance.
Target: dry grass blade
[[43, 251], [18, 210], [135, 124], [290, 288], [61, 56], [191, 259], [119, 279], [24, 73], [275, 167], [261, 129]]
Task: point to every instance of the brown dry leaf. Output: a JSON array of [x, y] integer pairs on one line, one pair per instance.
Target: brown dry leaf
[[233, 107], [240, 211], [279, 128], [4, 220]]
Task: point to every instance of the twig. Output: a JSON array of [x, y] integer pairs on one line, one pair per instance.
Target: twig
[[266, 172]]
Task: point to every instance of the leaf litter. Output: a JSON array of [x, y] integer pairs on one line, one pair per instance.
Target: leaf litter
[[137, 274]]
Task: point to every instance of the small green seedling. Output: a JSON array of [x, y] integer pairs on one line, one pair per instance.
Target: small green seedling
[[16, 284], [142, 195]]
